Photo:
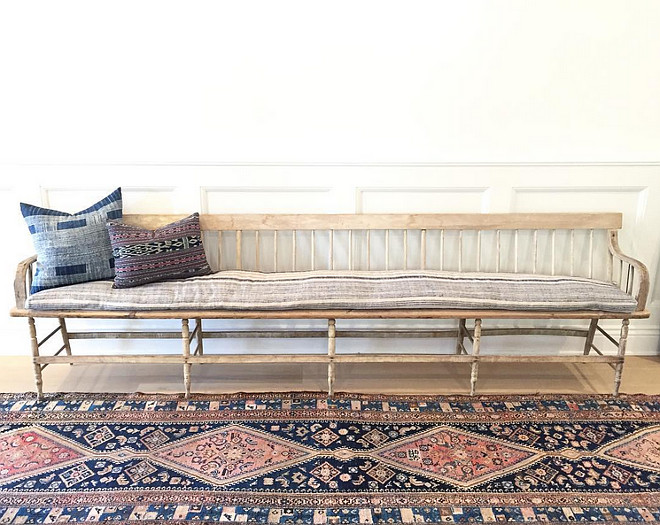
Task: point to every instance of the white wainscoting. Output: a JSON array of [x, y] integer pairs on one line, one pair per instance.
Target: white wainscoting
[[631, 188]]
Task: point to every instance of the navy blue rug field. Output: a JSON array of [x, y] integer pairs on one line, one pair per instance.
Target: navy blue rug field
[[309, 459]]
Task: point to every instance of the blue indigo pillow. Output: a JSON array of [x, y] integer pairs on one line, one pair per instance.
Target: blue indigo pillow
[[72, 248]]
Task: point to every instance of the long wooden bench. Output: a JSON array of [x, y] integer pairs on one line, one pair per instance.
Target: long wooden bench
[[572, 244]]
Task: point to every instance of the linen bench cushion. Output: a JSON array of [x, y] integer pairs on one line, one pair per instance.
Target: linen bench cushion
[[339, 290]]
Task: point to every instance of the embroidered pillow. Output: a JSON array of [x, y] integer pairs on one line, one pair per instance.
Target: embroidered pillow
[[72, 248], [144, 256]]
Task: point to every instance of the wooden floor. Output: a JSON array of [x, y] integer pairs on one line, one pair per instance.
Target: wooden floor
[[641, 375]]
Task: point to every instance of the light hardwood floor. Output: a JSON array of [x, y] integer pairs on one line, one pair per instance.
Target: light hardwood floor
[[641, 375]]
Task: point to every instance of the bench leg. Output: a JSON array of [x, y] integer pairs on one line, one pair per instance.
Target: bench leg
[[476, 344], [185, 336], [35, 354], [331, 355], [590, 336], [65, 338], [618, 369], [200, 339], [460, 336]]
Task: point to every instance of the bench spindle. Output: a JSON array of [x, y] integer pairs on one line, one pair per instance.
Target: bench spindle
[[553, 237], [332, 249], [275, 250], [219, 249], [368, 249], [498, 242], [256, 249], [387, 249], [350, 249], [422, 254], [515, 251], [442, 249], [460, 250], [536, 250], [405, 249], [572, 252], [479, 250], [313, 249], [239, 242], [632, 280], [591, 254]]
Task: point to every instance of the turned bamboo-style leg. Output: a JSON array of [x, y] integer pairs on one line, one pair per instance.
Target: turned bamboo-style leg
[[590, 336], [200, 338], [476, 344], [618, 369], [35, 354], [185, 336], [65, 338], [331, 355], [460, 336]]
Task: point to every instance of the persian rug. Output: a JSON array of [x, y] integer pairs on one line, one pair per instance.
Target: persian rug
[[309, 459]]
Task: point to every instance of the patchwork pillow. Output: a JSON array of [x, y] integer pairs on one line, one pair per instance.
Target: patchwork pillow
[[174, 251], [72, 248]]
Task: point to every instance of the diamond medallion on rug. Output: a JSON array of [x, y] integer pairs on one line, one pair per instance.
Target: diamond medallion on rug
[[457, 457], [29, 451], [230, 454], [642, 449], [304, 458]]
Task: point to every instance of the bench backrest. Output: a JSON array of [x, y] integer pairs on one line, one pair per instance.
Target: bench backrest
[[547, 243]]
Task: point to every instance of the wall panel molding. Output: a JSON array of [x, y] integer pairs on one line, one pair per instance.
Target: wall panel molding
[[267, 199], [145, 199], [416, 197]]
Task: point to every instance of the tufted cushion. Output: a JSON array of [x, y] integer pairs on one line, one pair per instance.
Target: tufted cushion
[[174, 251], [72, 248], [361, 290]]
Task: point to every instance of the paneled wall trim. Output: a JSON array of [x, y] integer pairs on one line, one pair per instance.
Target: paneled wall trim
[[630, 188]]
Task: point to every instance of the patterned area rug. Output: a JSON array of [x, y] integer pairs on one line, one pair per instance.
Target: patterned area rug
[[305, 458]]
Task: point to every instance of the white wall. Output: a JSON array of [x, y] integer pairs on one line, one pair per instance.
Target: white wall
[[343, 81], [333, 107]]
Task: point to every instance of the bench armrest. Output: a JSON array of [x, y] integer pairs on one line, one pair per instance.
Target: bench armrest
[[637, 275], [23, 280]]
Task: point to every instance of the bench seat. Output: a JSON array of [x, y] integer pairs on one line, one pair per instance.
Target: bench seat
[[239, 290]]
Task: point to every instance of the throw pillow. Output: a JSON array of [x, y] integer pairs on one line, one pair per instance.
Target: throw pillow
[[72, 248], [174, 251]]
